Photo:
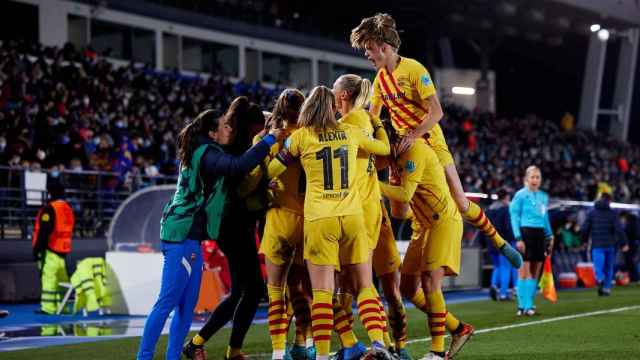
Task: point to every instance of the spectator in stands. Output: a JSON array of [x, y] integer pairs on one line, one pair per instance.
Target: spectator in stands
[[51, 244], [569, 235], [632, 230], [74, 108], [75, 104], [3, 149], [567, 122], [503, 273], [604, 229], [575, 161], [194, 214]]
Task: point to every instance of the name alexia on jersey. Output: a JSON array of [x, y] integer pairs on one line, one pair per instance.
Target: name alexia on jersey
[[332, 136]]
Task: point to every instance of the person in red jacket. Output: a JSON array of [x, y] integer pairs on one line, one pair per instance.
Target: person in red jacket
[[51, 243]]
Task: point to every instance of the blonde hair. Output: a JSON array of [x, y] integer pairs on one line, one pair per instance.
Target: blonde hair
[[318, 110], [359, 89], [529, 171], [380, 28]]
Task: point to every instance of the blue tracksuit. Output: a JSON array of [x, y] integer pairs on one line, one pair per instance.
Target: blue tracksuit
[[604, 229], [181, 276], [503, 272]]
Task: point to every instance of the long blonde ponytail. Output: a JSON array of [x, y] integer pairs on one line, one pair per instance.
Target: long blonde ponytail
[[358, 88], [318, 110]]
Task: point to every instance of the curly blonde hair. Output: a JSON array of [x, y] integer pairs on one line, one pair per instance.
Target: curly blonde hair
[[380, 28]]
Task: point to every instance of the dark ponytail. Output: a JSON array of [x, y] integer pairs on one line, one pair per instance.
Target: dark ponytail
[[189, 137], [241, 114]]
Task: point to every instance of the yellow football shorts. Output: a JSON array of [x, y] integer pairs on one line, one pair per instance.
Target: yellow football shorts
[[283, 237], [438, 143], [339, 240], [412, 262], [372, 214], [443, 246], [386, 258]]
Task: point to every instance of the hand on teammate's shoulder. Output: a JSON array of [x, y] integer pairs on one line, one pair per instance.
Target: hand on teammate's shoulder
[[277, 132]]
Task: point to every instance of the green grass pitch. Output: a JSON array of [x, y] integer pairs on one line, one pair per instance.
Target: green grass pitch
[[565, 330]]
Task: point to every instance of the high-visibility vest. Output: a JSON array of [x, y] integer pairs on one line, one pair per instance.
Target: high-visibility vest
[[60, 238]]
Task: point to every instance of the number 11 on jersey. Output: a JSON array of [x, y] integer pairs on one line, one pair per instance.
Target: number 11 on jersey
[[325, 155]]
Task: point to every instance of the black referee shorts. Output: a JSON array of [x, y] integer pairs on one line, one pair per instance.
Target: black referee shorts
[[534, 243]]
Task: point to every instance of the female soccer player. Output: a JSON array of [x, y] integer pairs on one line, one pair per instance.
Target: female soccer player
[[405, 88], [283, 238], [193, 215], [237, 241], [352, 95], [436, 243], [334, 230], [532, 230]]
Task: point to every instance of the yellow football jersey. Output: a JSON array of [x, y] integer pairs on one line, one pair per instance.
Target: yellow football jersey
[[401, 92], [289, 194], [432, 200], [367, 176], [328, 158]]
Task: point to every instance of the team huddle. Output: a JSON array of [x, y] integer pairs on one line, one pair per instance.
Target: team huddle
[[327, 230]]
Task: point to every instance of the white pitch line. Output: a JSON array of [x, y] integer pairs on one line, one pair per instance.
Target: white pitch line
[[506, 327], [543, 321]]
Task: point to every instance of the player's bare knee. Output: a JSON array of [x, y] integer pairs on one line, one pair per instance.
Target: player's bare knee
[[431, 281], [393, 297], [408, 286], [390, 289]]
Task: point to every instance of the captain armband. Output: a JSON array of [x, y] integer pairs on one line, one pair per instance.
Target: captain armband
[[285, 157]]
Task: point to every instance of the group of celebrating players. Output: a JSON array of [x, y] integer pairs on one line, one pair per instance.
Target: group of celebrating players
[[327, 231]]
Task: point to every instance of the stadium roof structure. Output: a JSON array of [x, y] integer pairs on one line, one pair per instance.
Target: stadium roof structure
[[159, 10], [536, 20]]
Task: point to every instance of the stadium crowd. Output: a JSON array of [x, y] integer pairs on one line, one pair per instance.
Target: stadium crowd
[[65, 109], [577, 164]]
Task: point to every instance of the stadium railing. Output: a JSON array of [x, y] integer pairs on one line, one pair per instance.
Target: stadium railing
[[93, 195]]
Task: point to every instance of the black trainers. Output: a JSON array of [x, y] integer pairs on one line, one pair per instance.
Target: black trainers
[[493, 293], [378, 352]]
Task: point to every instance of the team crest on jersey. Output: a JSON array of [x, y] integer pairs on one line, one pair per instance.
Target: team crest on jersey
[[410, 166], [426, 80]]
